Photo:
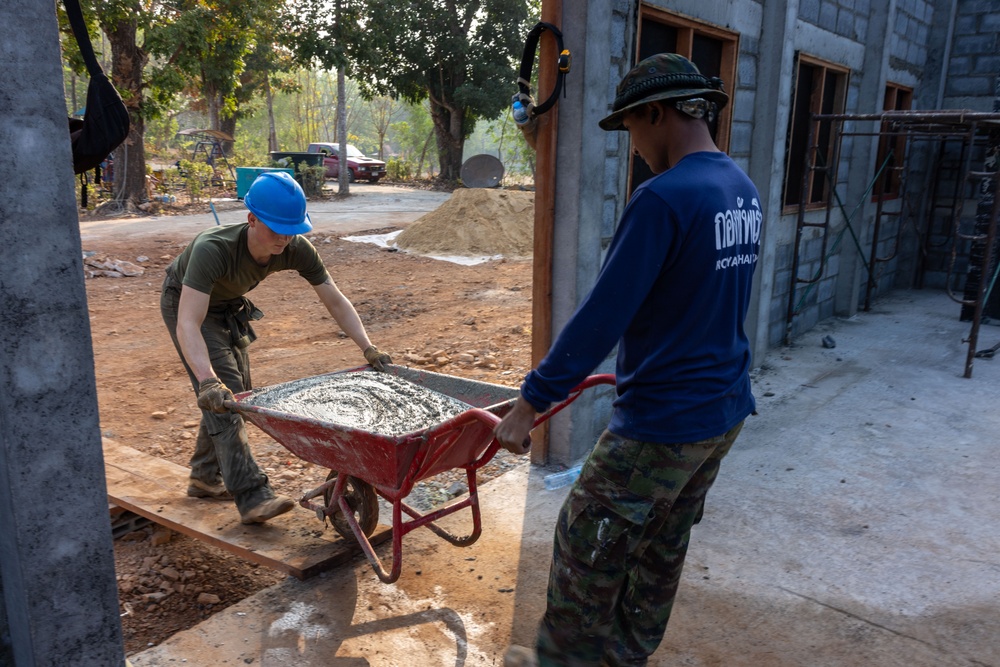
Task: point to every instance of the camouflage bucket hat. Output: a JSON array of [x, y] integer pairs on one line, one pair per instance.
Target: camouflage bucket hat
[[665, 76]]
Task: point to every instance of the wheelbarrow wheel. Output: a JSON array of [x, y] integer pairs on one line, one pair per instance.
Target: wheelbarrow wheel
[[361, 497]]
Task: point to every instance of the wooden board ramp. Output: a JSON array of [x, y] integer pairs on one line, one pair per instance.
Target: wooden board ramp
[[295, 543]]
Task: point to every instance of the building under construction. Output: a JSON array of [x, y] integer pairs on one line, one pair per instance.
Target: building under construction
[[870, 129]]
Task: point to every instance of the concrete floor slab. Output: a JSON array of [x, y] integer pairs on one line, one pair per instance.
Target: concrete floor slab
[[854, 523]]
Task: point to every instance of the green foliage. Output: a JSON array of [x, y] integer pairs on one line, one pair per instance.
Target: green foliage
[[160, 133], [502, 139], [206, 45], [210, 58], [197, 177], [414, 138], [324, 31], [460, 56], [397, 169], [311, 178], [249, 159]]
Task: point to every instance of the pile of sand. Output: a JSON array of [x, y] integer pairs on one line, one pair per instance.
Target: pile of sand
[[474, 222]]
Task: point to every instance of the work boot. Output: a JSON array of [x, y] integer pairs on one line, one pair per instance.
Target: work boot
[[267, 509], [200, 489], [520, 656]]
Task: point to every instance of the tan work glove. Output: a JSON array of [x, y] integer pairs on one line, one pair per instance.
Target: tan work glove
[[377, 359], [212, 395]]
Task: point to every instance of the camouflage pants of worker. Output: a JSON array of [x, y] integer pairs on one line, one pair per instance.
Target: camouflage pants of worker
[[619, 549], [221, 450]]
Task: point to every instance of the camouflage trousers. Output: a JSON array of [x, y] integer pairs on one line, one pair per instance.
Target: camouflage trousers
[[619, 549]]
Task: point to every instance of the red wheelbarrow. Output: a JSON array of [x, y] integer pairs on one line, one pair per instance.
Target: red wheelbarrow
[[363, 464]]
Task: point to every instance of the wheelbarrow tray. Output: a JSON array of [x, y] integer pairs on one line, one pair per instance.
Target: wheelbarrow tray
[[392, 463]]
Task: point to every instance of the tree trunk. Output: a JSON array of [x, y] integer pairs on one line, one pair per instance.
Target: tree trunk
[[228, 125], [423, 152], [127, 63], [272, 134], [343, 182], [212, 100], [448, 126]]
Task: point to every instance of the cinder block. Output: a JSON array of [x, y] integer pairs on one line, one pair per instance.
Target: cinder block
[[746, 73], [124, 522], [845, 24], [828, 17], [782, 282], [974, 44], [809, 11], [976, 86], [740, 138], [987, 64], [960, 66]]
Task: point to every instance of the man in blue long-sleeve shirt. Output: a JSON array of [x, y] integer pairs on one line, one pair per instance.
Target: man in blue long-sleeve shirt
[[673, 294]]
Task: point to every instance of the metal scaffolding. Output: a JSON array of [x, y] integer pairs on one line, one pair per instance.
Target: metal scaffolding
[[955, 137]]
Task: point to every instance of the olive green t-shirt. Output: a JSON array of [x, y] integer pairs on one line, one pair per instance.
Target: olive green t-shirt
[[218, 263]]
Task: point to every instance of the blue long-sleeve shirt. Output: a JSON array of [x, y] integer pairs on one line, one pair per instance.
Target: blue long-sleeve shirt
[[673, 293]]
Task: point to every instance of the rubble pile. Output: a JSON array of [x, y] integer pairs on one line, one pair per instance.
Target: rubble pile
[[105, 267]]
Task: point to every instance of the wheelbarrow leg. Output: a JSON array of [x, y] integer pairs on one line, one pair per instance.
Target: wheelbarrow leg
[[366, 546], [428, 519]]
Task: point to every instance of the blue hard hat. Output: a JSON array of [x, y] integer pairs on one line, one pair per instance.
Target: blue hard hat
[[279, 202]]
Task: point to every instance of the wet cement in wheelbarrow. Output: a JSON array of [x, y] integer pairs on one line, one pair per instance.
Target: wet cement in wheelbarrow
[[377, 403]]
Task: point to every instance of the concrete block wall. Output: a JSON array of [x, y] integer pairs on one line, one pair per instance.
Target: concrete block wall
[[910, 36], [946, 51], [974, 60], [845, 18], [744, 100]]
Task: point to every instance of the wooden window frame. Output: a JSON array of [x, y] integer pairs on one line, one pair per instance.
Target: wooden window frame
[[687, 28], [896, 98], [822, 69]]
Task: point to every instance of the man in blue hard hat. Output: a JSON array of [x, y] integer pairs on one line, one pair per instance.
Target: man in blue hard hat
[[209, 320], [672, 295]]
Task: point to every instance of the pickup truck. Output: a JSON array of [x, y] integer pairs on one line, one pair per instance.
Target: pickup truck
[[360, 167]]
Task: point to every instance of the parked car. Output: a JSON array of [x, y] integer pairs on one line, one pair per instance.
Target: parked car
[[360, 167]]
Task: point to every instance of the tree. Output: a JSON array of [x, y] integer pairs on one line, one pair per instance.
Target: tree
[[120, 20], [459, 56], [415, 134], [204, 46], [323, 37], [383, 111]]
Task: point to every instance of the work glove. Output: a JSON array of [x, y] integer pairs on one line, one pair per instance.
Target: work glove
[[212, 395], [378, 360]]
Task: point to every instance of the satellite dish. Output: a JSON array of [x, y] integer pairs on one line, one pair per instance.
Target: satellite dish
[[482, 171]]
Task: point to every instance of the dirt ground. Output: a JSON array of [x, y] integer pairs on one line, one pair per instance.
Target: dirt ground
[[468, 321]]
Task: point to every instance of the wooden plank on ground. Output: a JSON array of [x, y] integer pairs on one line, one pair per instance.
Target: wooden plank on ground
[[295, 543]]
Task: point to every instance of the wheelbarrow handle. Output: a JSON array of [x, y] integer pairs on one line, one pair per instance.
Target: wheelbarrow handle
[[588, 382]]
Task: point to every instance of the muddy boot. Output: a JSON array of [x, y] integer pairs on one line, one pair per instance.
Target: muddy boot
[[267, 509], [199, 489], [520, 656]]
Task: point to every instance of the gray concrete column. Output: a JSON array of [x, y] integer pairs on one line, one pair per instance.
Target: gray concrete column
[[59, 600], [581, 174], [871, 92], [775, 78]]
